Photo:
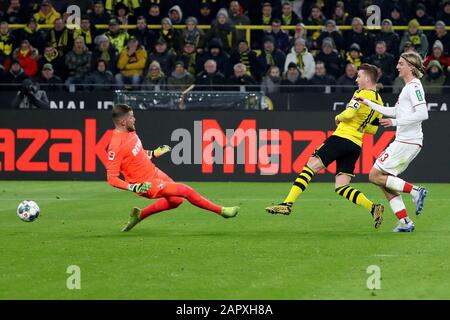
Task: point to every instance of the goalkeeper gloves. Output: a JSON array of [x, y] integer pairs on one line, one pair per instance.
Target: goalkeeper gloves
[[140, 187], [158, 152]]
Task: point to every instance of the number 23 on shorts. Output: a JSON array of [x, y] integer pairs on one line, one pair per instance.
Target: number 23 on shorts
[[383, 156]]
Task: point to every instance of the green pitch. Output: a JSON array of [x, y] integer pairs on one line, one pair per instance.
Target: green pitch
[[321, 251]]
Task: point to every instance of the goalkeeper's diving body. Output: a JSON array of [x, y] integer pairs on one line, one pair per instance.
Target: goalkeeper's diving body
[[344, 146], [127, 156]]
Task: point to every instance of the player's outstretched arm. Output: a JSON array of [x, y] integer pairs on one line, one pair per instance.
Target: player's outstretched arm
[[158, 152], [387, 111], [420, 114]]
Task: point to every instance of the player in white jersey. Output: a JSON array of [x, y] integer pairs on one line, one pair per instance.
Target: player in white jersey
[[407, 115]]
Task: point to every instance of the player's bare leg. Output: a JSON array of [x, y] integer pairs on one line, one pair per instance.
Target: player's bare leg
[[397, 184], [344, 189], [405, 224]]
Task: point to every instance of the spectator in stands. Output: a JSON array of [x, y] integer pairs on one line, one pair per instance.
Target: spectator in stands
[[243, 54], [271, 83], [165, 57], [384, 60], [192, 34], [131, 63], [206, 16], [7, 43], [360, 36], [117, 37], [437, 53], [444, 13], [62, 5], [30, 97], [123, 14], [346, 83], [422, 17], [33, 34], [87, 31], [334, 63], [434, 78], [99, 14], [27, 56], [331, 31], [416, 37], [169, 34], [302, 58], [189, 57], [52, 57], [241, 78], [132, 4], [47, 14], [210, 79], [155, 79], [265, 18], [270, 56], [60, 37], [15, 13], [442, 35], [299, 32], [398, 85], [321, 82], [145, 36], [48, 80], [354, 55], [106, 52], [288, 16], [216, 53], [316, 18], [78, 63], [390, 38], [180, 79], [237, 17], [384, 84], [396, 16], [340, 15], [175, 15], [280, 37], [223, 29], [292, 78], [16, 75], [153, 14]]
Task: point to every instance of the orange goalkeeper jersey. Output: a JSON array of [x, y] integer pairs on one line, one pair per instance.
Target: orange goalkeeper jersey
[[126, 156]]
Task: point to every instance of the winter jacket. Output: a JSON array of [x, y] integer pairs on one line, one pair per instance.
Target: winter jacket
[[210, 82], [111, 63], [419, 40], [278, 58], [53, 84], [307, 66], [166, 60], [28, 61], [386, 62], [50, 18], [334, 63], [103, 81], [78, 64], [178, 82], [134, 64]]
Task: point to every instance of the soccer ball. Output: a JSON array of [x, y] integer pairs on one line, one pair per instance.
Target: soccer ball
[[28, 211]]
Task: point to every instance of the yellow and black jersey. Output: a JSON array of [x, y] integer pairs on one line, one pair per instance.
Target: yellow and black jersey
[[358, 118]]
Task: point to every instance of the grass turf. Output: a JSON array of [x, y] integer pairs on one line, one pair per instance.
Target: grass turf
[[321, 251]]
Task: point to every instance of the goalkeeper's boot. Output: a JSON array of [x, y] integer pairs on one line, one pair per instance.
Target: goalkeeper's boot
[[404, 226], [419, 198], [377, 214], [282, 208], [135, 218], [229, 212]]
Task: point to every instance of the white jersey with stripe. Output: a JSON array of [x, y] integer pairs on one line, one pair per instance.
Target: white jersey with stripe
[[412, 97]]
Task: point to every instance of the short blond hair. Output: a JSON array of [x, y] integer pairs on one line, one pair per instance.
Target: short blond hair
[[416, 62]]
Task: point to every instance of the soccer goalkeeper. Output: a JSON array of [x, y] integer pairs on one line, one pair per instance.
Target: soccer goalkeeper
[[126, 156], [344, 146]]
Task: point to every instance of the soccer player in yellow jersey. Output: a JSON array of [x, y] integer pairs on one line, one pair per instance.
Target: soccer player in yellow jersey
[[344, 146]]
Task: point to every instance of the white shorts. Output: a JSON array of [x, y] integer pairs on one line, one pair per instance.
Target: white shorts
[[397, 157]]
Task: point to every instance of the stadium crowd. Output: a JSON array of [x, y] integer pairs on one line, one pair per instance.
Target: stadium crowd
[[220, 57]]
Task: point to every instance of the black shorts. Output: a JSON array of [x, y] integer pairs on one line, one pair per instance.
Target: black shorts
[[344, 151]]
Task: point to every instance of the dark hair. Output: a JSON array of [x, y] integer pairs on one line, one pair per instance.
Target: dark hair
[[119, 111], [371, 70], [101, 61]]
